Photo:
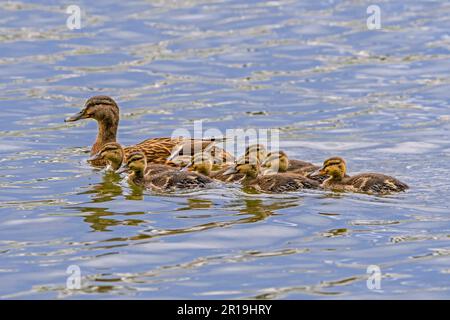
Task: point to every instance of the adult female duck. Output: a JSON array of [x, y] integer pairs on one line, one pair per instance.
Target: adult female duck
[[105, 111]]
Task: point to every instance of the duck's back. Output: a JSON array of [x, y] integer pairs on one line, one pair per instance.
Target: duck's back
[[157, 150], [154, 168], [375, 183], [307, 172], [219, 175], [282, 182], [176, 179], [298, 164]]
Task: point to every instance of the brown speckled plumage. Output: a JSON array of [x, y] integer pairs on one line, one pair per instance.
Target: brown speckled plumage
[[373, 183], [278, 162], [168, 180], [106, 112], [274, 183]]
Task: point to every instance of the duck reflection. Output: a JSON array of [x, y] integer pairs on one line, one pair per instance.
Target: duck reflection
[[243, 210], [108, 189]]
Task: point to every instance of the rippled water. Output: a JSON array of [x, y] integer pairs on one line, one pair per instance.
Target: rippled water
[[310, 68]]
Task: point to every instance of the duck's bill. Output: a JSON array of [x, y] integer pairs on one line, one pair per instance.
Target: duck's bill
[[230, 170], [123, 169], [316, 173], [78, 116], [96, 156]]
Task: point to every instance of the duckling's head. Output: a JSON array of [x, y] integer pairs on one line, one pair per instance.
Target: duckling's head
[[256, 151], [100, 108], [112, 152], [275, 162], [250, 167], [202, 163], [219, 157], [137, 162], [334, 167], [181, 160]]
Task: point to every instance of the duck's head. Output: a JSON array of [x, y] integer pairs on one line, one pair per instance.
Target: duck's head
[[219, 157], [181, 160], [100, 108], [136, 162], [250, 167], [257, 151], [202, 162], [112, 152], [334, 167], [275, 162]]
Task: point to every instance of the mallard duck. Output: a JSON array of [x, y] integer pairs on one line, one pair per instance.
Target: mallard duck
[[164, 181], [375, 183], [211, 162], [113, 154], [254, 151], [275, 183], [202, 163], [278, 161], [106, 112], [182, 160], [188, 148], [257, 151]]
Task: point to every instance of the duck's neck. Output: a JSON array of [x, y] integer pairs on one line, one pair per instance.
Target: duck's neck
[[204, 170], [334, 179], [137, 175], [249, 178], [107, 132], [115, 164]]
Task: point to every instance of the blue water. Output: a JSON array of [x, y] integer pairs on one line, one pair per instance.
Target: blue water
[[312, 69]]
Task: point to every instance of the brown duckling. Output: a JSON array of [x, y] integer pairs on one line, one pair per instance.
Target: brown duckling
[[201, 162], [113, 154], [373, 183], [189, 148], [106, 112], [278, 161], [275, 183], [257, 152], [165, 181]]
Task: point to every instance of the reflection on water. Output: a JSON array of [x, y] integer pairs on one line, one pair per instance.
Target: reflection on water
[[311, 69]]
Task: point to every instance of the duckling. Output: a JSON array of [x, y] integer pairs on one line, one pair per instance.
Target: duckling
[[165, 181], [113, 154], [372, 183], [105, 111], [219, 158], [187, 149], [181, 160], [186, 161], [275, 183], [278, 161], [202, 163], [256, 152]]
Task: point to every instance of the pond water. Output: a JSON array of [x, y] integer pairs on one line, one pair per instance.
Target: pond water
[[312, 69]]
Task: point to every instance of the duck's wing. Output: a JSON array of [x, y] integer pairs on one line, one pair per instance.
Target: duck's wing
[[298, 164], [171, 180], [376, 183], [219, 175], [285, 182], [156, 150]]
